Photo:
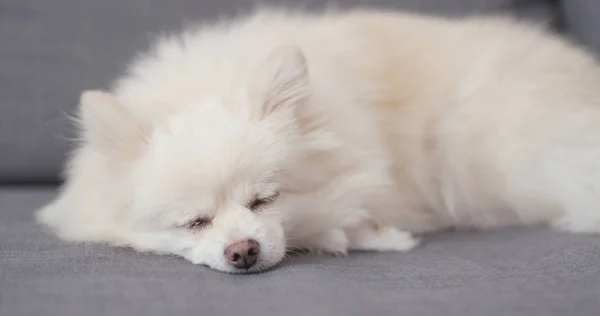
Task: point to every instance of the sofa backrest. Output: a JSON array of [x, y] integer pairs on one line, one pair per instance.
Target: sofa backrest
[[50, 53]]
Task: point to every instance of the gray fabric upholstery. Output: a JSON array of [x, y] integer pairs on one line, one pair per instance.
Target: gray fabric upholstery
[[53, 50], [529, 272], [582, 17]]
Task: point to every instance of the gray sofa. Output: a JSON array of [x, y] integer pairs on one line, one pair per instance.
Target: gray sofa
[[52, 50]]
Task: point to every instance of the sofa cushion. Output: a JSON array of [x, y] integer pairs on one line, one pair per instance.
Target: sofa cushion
[[528, 272], [52, 52]]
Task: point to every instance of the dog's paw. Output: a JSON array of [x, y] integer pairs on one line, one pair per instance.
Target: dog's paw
[[384, 238], [333, 242]]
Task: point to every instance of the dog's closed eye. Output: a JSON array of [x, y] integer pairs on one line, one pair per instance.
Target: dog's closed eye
[[198, 223], [258, 203]]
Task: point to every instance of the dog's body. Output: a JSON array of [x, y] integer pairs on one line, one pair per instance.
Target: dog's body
[[334, 132]]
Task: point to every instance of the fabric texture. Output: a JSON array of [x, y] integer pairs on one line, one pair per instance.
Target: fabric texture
[[582, 17], [54, 50], [528, 272]]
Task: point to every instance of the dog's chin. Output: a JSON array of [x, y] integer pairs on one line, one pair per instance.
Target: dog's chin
[[257, 268], [254, 269], [262, 265]]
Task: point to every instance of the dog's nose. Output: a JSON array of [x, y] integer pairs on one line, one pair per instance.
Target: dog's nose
[[243, 254]]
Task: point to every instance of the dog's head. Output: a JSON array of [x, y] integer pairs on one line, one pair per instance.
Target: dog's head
[[203, 183]]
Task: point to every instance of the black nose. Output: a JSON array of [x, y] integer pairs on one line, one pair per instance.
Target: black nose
[[243, 254]]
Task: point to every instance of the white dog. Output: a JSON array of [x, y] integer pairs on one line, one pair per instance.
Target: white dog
[[229, 144]]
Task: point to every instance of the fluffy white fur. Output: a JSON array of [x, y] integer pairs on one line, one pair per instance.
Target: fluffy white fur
[[371, 126]]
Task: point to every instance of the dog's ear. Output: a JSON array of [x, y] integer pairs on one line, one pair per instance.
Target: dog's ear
[[107, 125], [284, 74]]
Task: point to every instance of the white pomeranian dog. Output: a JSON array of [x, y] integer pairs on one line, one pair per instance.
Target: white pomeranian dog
[[231, 143]]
